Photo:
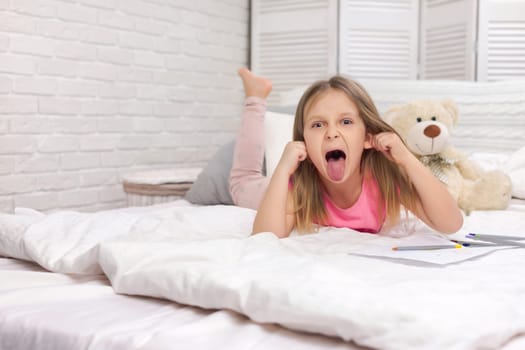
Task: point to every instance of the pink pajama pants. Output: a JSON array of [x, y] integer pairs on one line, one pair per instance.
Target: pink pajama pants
[[247, 183]]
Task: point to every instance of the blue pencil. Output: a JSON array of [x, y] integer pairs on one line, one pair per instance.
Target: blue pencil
[[501, 240], [494, 237]]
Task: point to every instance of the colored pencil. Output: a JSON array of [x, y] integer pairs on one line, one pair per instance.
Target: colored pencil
[[477, 244], [494, 237], [502, 240], [427, 247]]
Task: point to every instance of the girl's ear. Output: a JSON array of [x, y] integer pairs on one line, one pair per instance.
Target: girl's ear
[[368, 140]]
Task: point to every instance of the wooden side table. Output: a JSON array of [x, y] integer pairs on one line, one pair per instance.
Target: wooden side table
[[158, 186]]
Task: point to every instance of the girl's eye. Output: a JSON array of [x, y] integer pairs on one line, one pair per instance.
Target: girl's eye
[[347, 121], [317, 125]]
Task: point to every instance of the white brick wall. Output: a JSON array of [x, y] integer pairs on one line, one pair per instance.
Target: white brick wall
[[94, 89]]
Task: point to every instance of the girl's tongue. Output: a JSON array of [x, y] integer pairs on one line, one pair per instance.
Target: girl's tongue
[[336, 169]]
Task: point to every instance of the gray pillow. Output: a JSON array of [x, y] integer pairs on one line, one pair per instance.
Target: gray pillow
[[212, 186]]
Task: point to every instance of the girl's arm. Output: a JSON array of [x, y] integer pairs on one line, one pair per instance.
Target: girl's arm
[[276, 211], [274, 214], [436, 207]]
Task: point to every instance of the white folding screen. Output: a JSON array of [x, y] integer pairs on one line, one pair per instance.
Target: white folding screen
[[294, 42], [378, 38], [501, 40], [448, 39]]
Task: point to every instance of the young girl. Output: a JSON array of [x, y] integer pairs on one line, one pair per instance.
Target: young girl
[[345, 168]]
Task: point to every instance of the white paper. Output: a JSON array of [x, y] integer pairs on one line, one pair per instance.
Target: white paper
[[383, 248]]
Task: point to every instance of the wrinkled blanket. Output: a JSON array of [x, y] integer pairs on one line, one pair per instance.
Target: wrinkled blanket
[[205, 256]]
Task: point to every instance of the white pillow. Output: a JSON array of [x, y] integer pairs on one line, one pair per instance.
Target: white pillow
[[515, 168], [278, 131]]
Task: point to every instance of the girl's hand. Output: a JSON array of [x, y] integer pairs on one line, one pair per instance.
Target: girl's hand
[[391, 146], [293, 154]]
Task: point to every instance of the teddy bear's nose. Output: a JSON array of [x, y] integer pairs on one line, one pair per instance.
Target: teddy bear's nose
[[432, 131]]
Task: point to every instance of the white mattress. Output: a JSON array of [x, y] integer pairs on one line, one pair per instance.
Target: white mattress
[[44, 310]]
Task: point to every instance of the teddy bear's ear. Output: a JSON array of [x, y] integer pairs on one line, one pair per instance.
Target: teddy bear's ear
[[452, 108], [391, 113]]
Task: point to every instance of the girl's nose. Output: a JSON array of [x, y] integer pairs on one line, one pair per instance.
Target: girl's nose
[[332, 133]]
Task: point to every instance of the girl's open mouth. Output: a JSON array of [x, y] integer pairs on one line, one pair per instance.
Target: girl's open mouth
[[335, 164]]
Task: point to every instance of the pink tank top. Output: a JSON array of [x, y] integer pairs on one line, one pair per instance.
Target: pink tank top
[[366, 215]]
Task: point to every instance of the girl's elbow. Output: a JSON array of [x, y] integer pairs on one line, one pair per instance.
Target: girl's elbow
[[278, 233], [453, 224], [281, 234]]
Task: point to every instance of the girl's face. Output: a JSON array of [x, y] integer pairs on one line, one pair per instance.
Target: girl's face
[[335, 135]]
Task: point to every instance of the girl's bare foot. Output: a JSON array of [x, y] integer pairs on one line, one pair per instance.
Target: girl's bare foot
[[254, 85]]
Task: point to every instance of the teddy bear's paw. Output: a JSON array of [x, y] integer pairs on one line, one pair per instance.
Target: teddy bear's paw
[[490, 192], [502, 186]]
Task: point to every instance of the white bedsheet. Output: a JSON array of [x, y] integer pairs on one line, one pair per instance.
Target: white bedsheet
[[204, 256]]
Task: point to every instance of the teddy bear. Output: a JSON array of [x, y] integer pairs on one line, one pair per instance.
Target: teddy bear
[[425, 126]]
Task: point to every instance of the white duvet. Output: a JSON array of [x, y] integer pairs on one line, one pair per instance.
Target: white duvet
[[204, 256]]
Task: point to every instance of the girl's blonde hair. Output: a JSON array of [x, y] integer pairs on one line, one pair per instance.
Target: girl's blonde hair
[[394, 185]]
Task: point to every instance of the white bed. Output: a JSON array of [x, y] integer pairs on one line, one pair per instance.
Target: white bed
[[179, 275], [170, 252]]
